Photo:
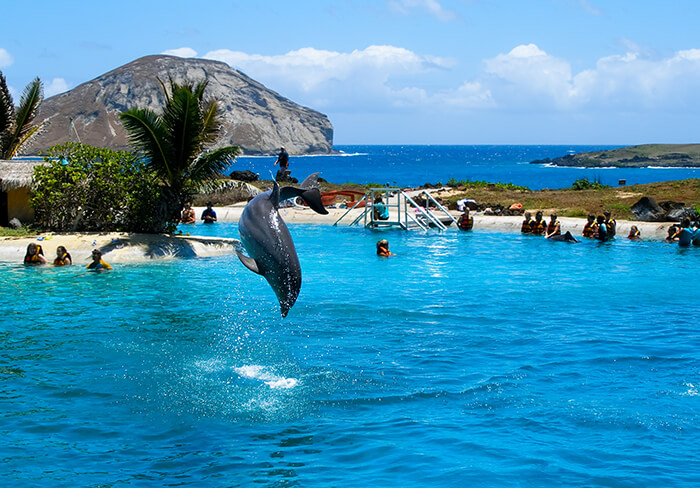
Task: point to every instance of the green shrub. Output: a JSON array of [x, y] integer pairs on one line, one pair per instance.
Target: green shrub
[[91, 189], [485, 184], [584, 184]]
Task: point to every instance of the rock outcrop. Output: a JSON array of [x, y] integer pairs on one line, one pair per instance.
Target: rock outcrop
[[648, 210], [255, 118]]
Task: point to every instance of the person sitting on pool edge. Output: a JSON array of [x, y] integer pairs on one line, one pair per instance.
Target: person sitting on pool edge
[[526, 227], [208, 215], [383, 249], [34, 255], [466, 221], [381, 212], [62, 257], [97, 263]]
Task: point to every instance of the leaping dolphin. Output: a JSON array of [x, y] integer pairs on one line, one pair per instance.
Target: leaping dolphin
[[268, 243]]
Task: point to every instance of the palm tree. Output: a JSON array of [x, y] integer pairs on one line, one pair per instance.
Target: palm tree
[[17, 124], [174, 143]]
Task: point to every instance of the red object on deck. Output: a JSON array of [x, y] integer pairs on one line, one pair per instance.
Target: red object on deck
[[330, 197]]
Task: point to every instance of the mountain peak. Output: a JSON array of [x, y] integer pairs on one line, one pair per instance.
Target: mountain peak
[[255, 118]]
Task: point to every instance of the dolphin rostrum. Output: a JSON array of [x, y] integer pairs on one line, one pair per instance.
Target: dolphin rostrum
[[269, 245]]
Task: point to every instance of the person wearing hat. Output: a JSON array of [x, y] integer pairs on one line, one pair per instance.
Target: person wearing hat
[[283, 159], [208, 215]]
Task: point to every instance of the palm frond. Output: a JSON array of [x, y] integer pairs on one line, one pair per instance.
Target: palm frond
[[212, 121], [7, 117], [28, 106], [148, 136], [212, 163], [183, 121]]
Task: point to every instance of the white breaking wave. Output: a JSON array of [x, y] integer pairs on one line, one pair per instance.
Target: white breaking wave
[[272, 380]]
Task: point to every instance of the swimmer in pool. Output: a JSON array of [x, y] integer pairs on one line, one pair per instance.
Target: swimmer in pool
[[383, 248]]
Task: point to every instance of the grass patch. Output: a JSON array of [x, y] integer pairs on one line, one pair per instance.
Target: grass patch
[[21, 232]]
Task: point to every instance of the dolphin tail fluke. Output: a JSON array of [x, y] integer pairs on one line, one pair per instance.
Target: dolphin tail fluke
[[313, 199], [311, 196], [248, 262]]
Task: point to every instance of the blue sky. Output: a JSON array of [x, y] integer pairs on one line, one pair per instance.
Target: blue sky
[[404, 71]]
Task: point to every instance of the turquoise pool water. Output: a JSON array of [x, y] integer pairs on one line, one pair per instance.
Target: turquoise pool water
[[481, 359]]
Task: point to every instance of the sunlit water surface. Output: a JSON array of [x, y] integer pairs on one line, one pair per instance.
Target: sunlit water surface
[[468, 359]]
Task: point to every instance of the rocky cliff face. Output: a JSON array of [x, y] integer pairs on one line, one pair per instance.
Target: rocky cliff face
[[254, 118]]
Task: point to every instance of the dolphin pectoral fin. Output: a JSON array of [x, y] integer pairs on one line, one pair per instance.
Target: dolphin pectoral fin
[[313, 199], [248, 262]]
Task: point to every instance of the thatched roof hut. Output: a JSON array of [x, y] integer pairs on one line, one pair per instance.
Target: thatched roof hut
[[16, 181], [17, 174]]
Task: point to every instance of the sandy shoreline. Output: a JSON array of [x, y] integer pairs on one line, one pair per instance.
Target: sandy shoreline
[[123, 247]]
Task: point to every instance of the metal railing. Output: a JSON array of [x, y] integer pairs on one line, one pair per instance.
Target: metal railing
[[398, 204]]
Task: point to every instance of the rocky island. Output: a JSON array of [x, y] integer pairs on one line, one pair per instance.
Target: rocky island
[[643, 156], [254, 117]]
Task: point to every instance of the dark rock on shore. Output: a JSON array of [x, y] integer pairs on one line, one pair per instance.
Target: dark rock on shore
[[649, 210], [246, 175], [255, 118]]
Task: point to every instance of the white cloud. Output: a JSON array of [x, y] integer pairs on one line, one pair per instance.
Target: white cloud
[[528, 74], [526, 80], [432, 7], [55, 86], [5, 58], [322, 78], [183, 52]]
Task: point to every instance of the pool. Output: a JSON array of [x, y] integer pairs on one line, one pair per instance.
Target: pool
[[468, 359]]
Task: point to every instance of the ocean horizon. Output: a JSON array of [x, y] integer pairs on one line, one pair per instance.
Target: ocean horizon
[[415, 165]]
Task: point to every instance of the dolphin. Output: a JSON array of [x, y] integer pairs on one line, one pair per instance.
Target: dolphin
[[267, 241], [563, 237]]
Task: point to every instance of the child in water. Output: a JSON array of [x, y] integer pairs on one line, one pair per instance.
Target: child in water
[[634, 233], [383, 248]]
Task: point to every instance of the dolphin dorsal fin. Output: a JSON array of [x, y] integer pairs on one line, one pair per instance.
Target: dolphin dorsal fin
[[248, 262], [310, 182]]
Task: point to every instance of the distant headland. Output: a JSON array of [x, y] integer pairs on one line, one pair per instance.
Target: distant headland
[[643, 156]]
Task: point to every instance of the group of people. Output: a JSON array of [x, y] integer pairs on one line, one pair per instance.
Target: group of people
[[603, 227], [35, 256], [208, 215], [685, 233]]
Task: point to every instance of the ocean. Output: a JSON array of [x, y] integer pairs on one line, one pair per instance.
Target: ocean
[[411, 166]]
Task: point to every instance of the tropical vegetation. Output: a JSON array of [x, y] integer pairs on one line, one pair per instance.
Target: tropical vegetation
[[90, 189], [178, 145], [17, 125]]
